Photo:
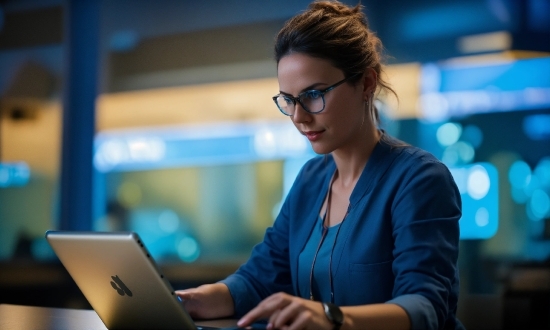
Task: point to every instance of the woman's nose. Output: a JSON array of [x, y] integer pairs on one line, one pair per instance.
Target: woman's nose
[[300, 114]]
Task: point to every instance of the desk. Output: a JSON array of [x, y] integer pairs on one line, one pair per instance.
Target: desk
[[17, 317]]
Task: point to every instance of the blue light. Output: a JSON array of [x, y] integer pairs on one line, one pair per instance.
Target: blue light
[[199, 145], [165, 234], [459, 153], [188, 249], [537, 127], [482, 217], [448, 134], [542, 172], [418, 24], [519, 174], [457, 90], [478, 186], [519, 196], [533, 185], [168, 221], [14, 174], [479, 183], [539, 204]]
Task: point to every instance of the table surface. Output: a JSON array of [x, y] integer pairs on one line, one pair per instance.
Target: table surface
[[18, 317]]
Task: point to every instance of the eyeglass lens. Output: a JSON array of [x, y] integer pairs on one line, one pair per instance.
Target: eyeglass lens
[[311, 101]]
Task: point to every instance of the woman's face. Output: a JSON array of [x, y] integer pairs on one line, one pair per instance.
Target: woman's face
[[339, 125]]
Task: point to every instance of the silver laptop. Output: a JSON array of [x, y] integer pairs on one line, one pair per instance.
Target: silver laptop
[[120, 280]]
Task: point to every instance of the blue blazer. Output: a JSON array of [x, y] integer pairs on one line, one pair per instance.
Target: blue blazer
[[398, 243]]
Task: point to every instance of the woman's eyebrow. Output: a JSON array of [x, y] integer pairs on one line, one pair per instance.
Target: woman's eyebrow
[[308, 88]]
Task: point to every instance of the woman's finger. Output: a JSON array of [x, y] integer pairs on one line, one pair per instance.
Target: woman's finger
[[184, 294], [301, 322], [273, 318], [264, 309], [287, 314]]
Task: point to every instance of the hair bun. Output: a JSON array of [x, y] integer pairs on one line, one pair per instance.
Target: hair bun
[[337, 9], [334, 7]]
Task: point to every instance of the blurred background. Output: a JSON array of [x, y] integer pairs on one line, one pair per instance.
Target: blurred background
[[156, 117]]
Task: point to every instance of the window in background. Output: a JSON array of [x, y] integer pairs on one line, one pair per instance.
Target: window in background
[[202, 193], [29, 174]]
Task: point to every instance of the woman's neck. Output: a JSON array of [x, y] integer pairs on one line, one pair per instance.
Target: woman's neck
[[351, 161]]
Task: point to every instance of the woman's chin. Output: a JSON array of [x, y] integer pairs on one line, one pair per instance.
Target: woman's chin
[[320, 148]]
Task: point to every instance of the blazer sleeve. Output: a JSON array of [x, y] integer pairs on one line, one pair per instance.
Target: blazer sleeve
[[425, 215]]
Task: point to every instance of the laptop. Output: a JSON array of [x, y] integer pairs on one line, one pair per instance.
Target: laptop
[[120, 280]]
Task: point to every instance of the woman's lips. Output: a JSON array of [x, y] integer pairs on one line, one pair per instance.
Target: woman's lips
[[313, 135]]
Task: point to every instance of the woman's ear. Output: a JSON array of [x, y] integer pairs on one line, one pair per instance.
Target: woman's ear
[[370, 78]]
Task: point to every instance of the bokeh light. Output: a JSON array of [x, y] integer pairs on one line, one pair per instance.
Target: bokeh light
[[534, 184], [478, 183], [460, 153], [188, 249], [519, 196], [168, 221], [539, 204], [482, 217], [519, 174], [265, 143], [448, 134], [542, 172]]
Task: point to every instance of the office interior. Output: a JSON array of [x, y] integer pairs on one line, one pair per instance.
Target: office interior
[[156, 117]]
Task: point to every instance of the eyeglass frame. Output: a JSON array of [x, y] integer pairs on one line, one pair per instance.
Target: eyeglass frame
[[322, 92]]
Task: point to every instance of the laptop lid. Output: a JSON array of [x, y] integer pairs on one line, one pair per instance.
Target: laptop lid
[[120, 280]]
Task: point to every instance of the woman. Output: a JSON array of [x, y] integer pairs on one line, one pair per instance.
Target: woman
[[368, 235]]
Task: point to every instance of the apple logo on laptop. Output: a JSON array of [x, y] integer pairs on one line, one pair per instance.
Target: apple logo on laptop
[[120, 287]]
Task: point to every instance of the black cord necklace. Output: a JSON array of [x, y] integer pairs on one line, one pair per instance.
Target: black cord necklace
[[325, 230]]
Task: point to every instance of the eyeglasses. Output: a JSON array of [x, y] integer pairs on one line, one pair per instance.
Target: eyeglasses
[[312, 101]]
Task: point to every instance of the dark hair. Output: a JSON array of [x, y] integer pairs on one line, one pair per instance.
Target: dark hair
[[336, 32]]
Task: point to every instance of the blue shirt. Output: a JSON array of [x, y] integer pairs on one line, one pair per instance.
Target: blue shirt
[[320, 249], [399, 243]]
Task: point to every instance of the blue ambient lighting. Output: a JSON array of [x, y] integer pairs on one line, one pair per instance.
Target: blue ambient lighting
[[542, 171], [519, 174], [419, 24], [458, 90], [191, 146], [14, 174], [478, 186], [199, 146], [188, 249], [457, 154], [168, 221], [478, 183], [473, 135], [540, 204], [519, 195], [537, 127], [531, 188], [166, 236], [448, 134]]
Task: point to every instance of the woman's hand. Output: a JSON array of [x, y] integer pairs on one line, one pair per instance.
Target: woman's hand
[[288, 312], [207, 301]]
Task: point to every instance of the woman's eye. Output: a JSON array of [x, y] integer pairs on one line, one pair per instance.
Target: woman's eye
[[288, 100], [312, 94]]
